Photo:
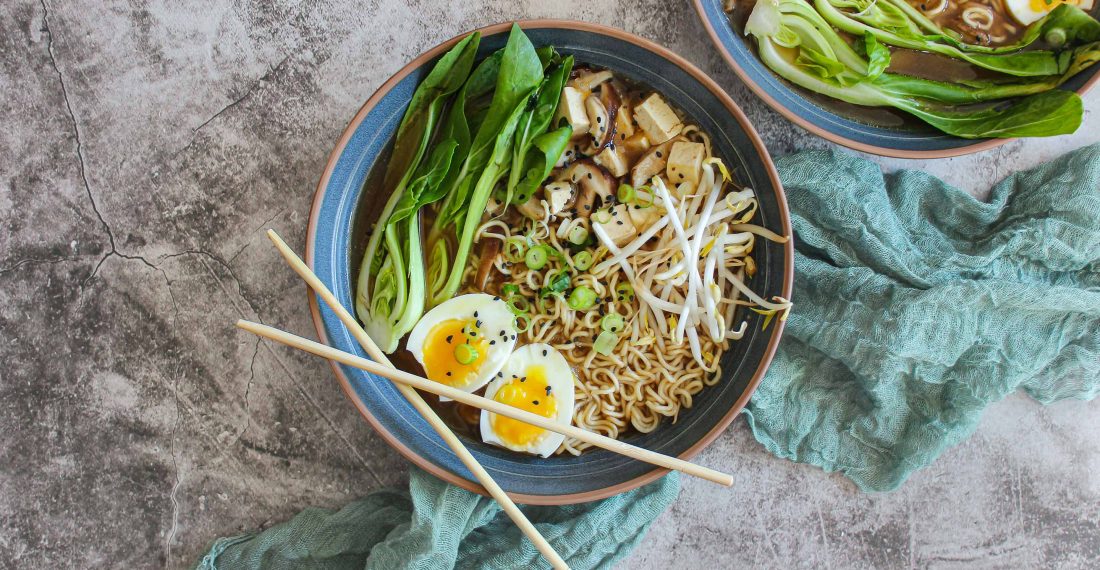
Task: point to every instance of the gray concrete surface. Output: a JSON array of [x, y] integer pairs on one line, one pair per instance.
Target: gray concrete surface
[[142, 151]]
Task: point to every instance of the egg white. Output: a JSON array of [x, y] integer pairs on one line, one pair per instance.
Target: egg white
[[1023, 11], [559, 377], [497, 323]]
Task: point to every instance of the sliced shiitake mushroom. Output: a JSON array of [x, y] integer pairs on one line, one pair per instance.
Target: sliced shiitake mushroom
[[489, 250], [602, 112], [594, 185], [652, 162], [588, 80]]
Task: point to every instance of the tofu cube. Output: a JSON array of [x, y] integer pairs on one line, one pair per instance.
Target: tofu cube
[[614, 162], [643, 217], [557, 195], [623, 125], [532, 208], [657, 119], [620, 228], [635, 144], [571, 106], [684, 162]]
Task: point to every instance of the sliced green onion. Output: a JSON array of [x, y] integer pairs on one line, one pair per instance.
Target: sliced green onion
[[612, 322], [578, 235], [582, 260], [645, 197], [559, 282], [536, 257], [624, 292], [626, 193], [602, 216], [518, 305], [514, 249], [582, 298], [465, 354], [526, 323], [605, 343], [509, 290]]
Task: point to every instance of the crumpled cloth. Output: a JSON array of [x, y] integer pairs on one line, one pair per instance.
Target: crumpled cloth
[[437, 525], [916, 306]]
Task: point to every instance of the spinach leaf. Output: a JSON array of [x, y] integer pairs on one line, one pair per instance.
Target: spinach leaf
[[550, 146], [535, 121]]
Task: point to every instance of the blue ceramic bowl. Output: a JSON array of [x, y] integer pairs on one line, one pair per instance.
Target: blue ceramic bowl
[[822, 117], [345, 204]]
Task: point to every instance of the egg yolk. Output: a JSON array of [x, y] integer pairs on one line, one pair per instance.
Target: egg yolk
[[531, 393], [1044, 6], [447, 363]]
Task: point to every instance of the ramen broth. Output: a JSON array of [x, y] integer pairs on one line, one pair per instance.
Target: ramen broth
[[979, 22]]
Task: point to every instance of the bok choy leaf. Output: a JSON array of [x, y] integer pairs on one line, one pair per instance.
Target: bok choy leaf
[[390, 290], [487, 161], [825, 63]]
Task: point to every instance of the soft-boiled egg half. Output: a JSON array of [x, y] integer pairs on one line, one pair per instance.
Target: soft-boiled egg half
[[537, 379], [464, 341], [1028, 11]]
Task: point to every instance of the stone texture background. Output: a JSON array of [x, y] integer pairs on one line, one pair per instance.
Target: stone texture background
[[143, 150]]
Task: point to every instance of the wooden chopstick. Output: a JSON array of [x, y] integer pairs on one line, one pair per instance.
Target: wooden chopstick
[[402, 377], [452, 441]]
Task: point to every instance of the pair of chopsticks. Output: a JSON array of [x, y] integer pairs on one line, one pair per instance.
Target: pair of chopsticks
[[408, 383]]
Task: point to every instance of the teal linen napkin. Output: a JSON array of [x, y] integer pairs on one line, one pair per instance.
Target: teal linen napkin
[[437, 525], [916, 306]]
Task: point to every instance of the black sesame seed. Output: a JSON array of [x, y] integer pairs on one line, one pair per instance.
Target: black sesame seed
[[599, 119], [523, 379], [492, 342], [497, 200], [475, 315], [500, 375], [547, 390], [544, 352], [620, 222], [587, 206], [658, 154], [681, 176], [590, 176], [450, 337], [535, 402], [448, 374]]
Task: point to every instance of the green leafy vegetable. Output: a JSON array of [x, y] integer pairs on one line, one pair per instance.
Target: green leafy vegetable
[[533, 123], [889, 24], [487, 161], [390, 289], [825, 63]]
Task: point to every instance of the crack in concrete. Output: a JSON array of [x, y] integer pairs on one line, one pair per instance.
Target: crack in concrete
[[84, 173], [248, 391], [294, 379], [170, 536], [36, 261], [248, 93]]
